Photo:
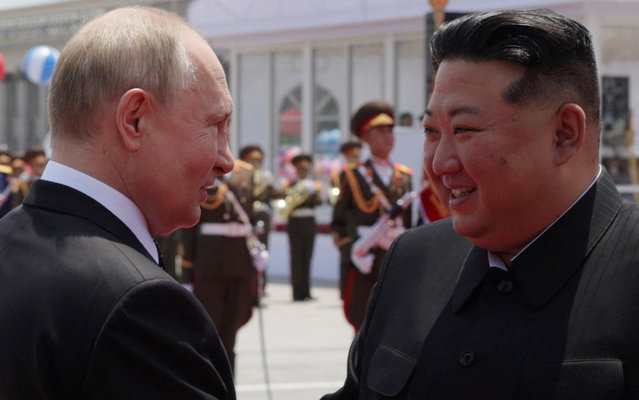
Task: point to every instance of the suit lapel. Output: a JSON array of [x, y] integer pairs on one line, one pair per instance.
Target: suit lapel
[[63, 199]]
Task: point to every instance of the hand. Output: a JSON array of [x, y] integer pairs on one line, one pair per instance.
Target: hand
[[364, 263]]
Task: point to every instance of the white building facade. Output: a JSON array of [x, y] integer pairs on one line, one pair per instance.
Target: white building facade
[[299, 68]]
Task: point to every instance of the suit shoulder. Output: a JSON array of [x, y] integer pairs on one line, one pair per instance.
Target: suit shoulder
[[434, 231]]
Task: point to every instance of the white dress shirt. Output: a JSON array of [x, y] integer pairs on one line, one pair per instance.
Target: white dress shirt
[[383, 168], [114, 201]]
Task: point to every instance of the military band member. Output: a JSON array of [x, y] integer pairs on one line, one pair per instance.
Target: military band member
[[368, 190], [35, 159], [302, 196], [216, 256], [351, 152], [265, 190]]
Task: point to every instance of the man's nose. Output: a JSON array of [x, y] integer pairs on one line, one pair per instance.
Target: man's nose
[[225, 160], [445, 158]]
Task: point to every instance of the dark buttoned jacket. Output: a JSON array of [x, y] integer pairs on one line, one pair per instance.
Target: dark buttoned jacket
[[85, 312], [561, 324]]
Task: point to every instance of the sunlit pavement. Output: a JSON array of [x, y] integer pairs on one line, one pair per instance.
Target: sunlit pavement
[[306, 345]]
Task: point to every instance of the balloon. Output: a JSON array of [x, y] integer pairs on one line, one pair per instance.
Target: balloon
[[39, 63], [3, 67]]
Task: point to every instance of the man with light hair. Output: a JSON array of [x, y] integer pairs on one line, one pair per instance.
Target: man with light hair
[[85, 309]]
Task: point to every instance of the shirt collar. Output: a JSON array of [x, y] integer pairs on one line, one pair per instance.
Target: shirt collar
[[495, 261], [381, 162], [114, 201], [545, 266]]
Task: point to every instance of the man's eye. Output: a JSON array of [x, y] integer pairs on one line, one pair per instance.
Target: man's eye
[[429, 131], [461, 129]]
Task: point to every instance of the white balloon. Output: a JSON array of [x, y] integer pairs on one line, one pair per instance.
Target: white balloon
[[39, 63]]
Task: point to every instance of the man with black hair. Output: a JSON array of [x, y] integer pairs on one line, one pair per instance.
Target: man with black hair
[[530, 289]]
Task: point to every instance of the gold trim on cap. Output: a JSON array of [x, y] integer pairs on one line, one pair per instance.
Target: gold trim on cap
[[378, 120], [253, 154]]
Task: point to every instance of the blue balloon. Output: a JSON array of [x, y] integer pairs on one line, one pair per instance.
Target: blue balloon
[[39, 63]]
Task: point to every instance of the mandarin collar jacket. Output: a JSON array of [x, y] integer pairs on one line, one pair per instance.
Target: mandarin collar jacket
[[436, 327]]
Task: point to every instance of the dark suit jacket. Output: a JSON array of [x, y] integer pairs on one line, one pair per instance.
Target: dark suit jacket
[[85, 313], [561, 325]]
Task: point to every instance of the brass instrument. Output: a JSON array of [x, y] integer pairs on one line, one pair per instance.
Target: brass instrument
[[295, 195]]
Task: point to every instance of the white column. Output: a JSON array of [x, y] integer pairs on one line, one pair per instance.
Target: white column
[[390, 94], [346, 108], [307, 98], [272, 127], [19, 126]]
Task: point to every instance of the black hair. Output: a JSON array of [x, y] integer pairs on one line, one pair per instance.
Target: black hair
[[556, 51]]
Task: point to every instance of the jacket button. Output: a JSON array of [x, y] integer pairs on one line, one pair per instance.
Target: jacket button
[[466, 358], [505, 286]]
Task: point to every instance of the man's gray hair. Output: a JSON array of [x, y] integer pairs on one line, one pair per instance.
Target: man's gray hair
[[132, 47]]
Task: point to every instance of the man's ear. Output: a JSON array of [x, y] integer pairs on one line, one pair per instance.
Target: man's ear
[[570, 132], [131, 108]]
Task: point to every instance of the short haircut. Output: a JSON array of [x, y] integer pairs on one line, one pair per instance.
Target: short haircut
[[556, 51], [132, 47]]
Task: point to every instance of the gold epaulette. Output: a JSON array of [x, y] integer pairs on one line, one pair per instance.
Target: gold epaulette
[[403, 168], [353, 165], [5, 169]]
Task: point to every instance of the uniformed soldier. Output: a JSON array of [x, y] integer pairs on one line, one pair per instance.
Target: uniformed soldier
[[352, 151], [216, 258], [265, 190], [368, 190], [35, 159], [302, 196]]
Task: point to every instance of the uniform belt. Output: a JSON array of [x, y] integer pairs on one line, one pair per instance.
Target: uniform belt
[[302, 212], [231, 229]]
